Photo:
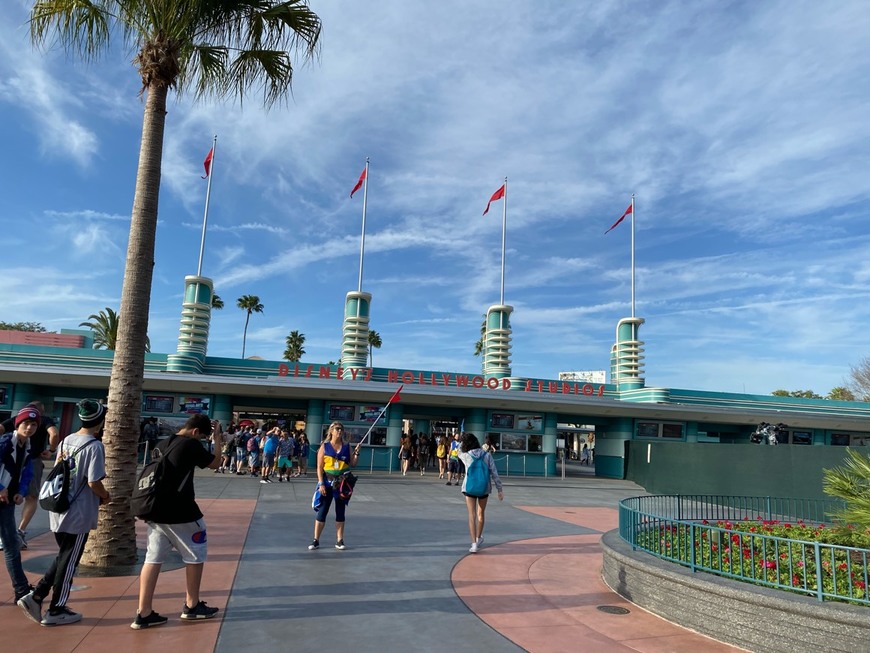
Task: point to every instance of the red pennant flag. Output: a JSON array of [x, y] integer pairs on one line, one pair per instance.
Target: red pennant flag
[[207, 163], [622, 217], [395, 398], [497, 195], [359, 183]]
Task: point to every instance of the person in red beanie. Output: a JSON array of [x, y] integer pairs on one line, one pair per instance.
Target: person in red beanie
[[16, 472]]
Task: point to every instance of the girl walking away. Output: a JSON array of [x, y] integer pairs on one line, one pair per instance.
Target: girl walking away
[[480, 475]]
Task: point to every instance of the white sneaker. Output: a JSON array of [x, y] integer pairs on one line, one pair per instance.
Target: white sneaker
[[480, 541], [63, 615], [473, 548]]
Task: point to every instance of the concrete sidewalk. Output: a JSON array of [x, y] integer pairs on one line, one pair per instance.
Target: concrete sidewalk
[[406, 581]]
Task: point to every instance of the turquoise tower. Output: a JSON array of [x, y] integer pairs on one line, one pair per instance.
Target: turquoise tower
[[195, 320], [497, 342], [626, 355], [355, 341]]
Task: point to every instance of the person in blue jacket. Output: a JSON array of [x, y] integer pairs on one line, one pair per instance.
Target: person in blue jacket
[[16, 471]]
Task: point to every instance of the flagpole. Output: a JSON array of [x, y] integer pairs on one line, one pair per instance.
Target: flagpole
[[503, 235], [362, 242], [383, 410], [632, 255], [205, 217]]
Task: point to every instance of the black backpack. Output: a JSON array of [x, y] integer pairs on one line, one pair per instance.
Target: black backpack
[[149, 491], [54, 494]]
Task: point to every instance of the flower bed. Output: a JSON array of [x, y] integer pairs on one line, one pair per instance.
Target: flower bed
[[811, 559]]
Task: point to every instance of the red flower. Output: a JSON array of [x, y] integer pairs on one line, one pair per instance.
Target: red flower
[[795, 580], [735, 538], [770, 564]]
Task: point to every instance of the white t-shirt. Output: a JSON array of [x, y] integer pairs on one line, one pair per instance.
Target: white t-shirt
[[90, 466]]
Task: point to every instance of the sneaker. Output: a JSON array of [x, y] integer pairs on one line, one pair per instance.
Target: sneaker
[[217, 471], [150, 621], [60, 616], [263, 480], [22, 539], [315, 544], [448, 483], [32, 607], [480, 541], [340, 545], [473, 548], [201, 611]]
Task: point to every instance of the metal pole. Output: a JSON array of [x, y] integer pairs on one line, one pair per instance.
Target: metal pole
[[503, 238], [632, 258], [205, 216], [362, 242]]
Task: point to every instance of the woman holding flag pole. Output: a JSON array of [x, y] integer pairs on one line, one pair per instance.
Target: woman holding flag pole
[[334, 462]]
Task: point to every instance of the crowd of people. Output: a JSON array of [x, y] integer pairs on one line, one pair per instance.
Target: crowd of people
[[275, 452], [175, 521]]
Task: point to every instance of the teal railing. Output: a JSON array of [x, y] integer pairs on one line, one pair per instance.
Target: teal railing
[[731, 537]]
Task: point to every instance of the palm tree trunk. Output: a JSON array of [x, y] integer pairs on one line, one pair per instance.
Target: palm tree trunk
[[113, 545], [245, 334]]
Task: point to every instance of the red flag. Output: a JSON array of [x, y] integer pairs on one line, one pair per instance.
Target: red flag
[[359, 183], [207, 163], [497, 195], [395, 398], [622, 217]]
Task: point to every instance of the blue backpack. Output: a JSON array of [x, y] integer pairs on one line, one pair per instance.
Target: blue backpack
[[477, 477]]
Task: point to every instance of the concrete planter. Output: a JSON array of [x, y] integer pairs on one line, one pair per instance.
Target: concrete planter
[[759, 619]]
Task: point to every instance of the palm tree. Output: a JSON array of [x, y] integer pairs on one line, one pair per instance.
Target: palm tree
[[216, 302], [295, 350], [851, 483], [223, 49], [374, 343], [251, 304], [105, 327], [479, 345]]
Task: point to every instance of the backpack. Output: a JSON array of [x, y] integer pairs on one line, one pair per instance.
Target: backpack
[[149, 487], [54, 494], [252, 444], [477, 476]]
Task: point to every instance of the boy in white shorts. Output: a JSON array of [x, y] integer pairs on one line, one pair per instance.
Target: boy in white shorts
[[177, 522]]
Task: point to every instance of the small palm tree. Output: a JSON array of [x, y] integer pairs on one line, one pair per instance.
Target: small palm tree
[[105, 327], [479, 345], [851, 483], [374, 343], [251, 304], [216, 302], [295, 350]]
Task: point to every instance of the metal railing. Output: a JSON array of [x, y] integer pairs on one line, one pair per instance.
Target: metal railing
[[732, 537]]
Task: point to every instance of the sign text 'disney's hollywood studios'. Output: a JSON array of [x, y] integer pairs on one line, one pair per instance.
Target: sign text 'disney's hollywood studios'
[[438, 378]]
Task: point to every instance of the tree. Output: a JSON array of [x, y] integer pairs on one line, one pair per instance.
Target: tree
[[223, 49], [295, 350], [375, 342], [841, 394], [804, 394], [859, 379], [105, 327], [216, 302], [251, 304], [852, 484], [31, 327], [480, 344]]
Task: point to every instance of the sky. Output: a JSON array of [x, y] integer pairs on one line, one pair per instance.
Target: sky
[[741, 128]]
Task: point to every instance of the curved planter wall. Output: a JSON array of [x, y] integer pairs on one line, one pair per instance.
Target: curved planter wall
[[756, 618]]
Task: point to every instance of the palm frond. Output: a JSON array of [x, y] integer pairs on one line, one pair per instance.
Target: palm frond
[[82, 26]]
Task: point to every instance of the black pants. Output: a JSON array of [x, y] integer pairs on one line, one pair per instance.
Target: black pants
[[59, 576]]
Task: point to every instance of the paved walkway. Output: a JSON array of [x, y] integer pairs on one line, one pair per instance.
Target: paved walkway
[[406, 582]]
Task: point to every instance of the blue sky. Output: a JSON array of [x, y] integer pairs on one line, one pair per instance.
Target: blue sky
[[740, 126]]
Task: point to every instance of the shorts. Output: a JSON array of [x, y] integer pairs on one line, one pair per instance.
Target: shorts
[[36, 481], [268, 460], [241, 453], [254, 459], [454, 465], [188, 539], [405, 455], [485, 496], [284, 461]]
